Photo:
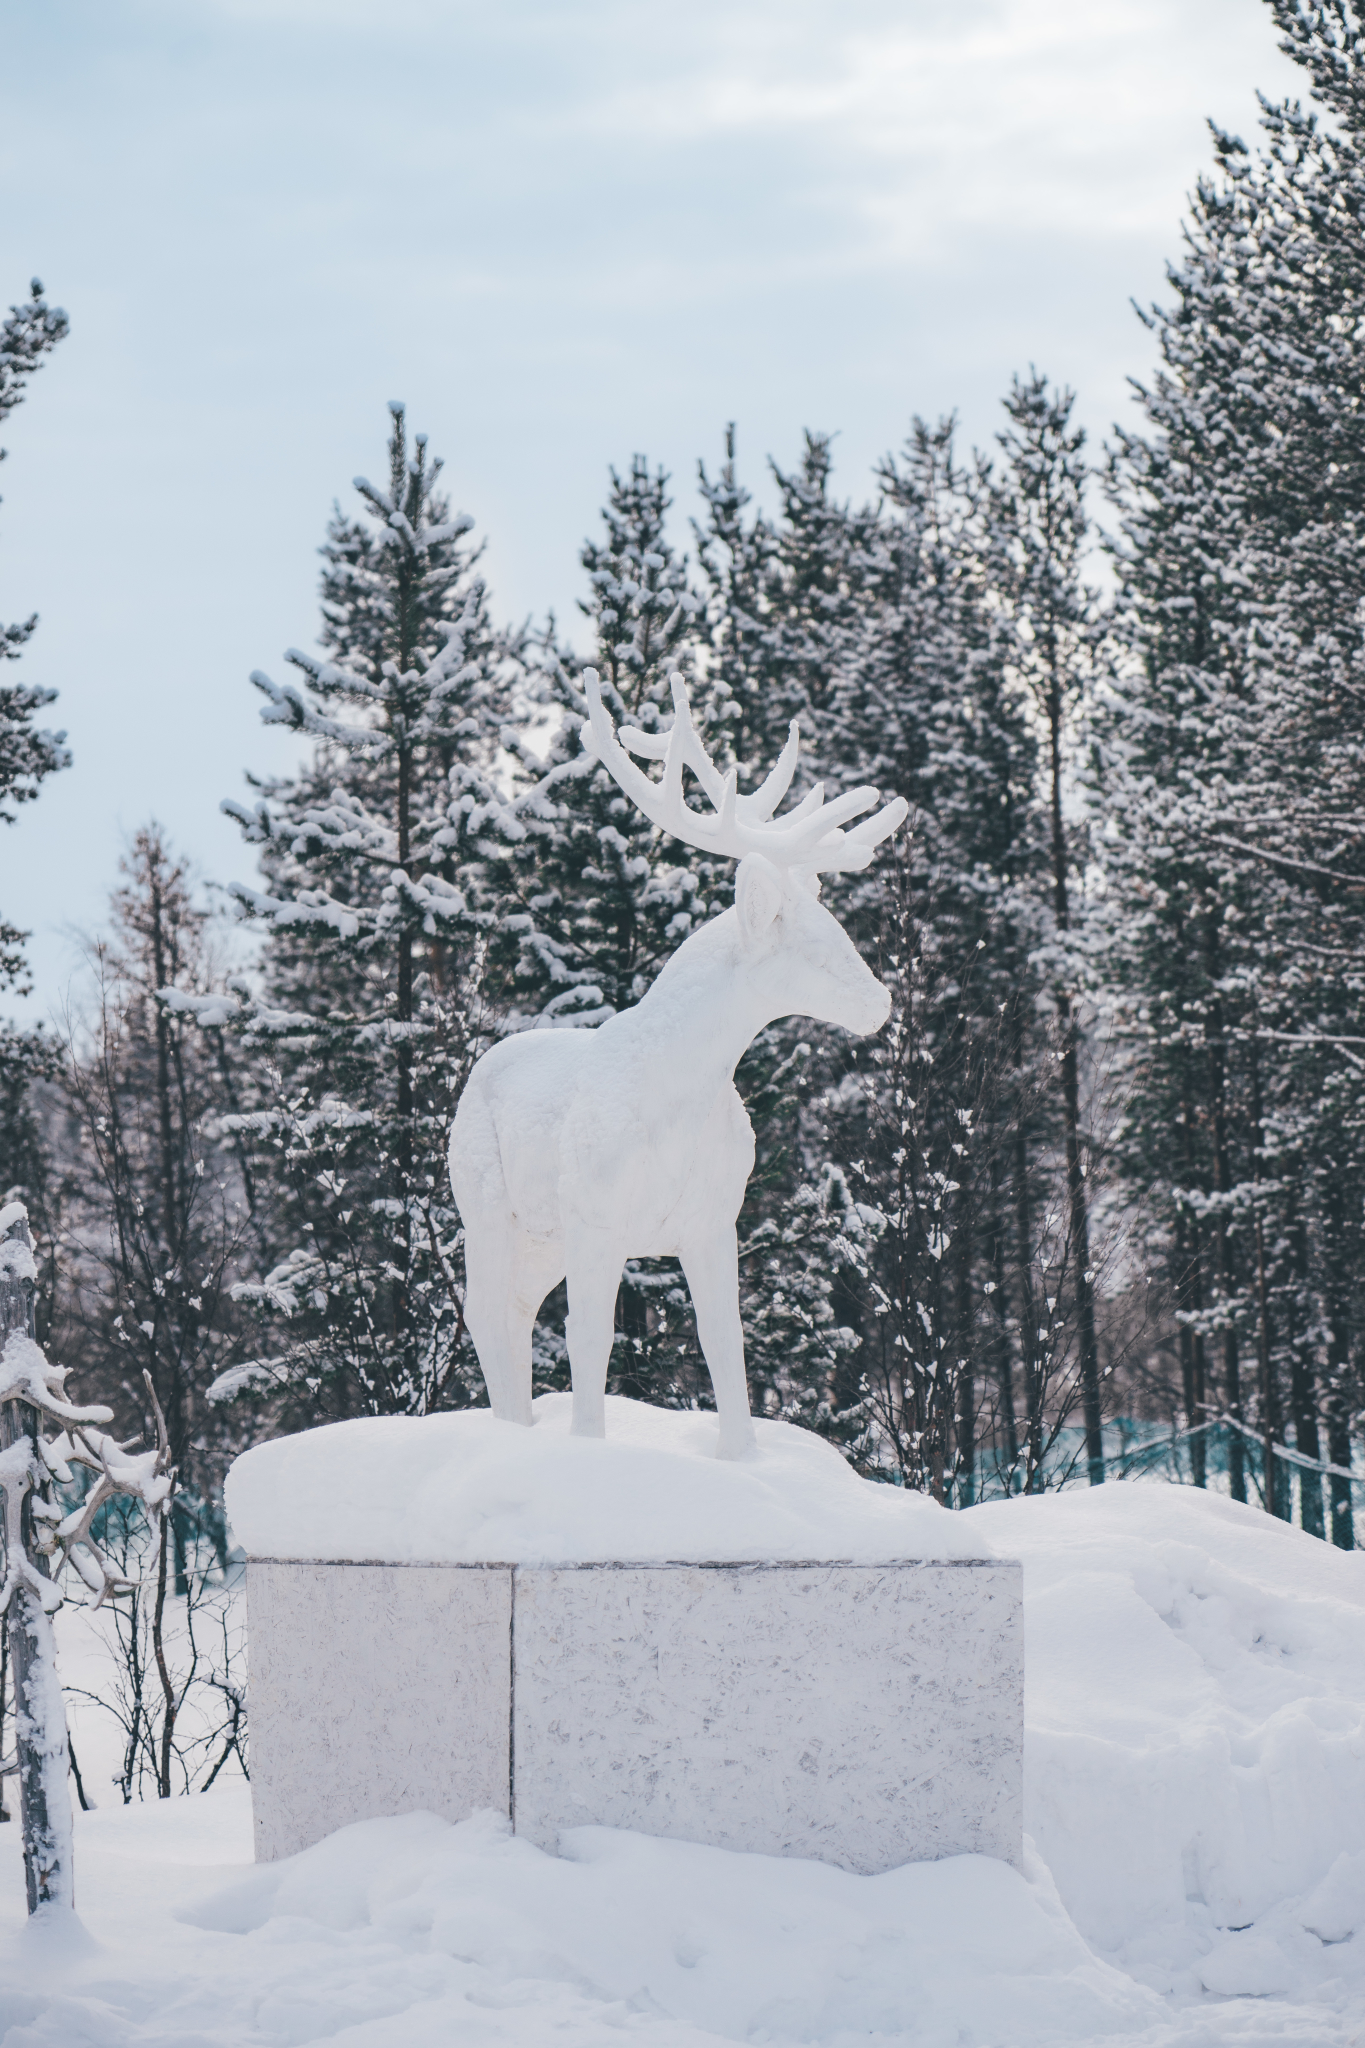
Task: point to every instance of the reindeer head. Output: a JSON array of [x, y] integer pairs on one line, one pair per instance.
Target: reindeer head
[[801, 956]]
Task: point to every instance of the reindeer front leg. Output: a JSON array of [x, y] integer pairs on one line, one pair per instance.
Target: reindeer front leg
[[594, 1263], [710, 1262]]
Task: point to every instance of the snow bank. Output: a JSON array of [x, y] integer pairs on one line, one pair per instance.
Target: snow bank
[[1194, 1733], [413, 1932], [468, 1489], [1195, 1767]]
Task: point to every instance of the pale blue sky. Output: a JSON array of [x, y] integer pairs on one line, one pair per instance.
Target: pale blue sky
[[562, 231]]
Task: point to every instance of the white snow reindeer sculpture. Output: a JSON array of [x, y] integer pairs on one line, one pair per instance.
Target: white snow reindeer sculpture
[[573, 1151]]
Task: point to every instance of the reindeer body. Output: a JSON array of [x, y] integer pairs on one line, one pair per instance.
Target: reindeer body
[[574, 1150]]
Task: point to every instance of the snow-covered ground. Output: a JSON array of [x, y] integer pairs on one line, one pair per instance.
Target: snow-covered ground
[[1195, 1792]]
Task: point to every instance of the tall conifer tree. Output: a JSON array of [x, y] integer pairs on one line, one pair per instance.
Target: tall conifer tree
[[1234, 776], [28, 753], [373, 1004]]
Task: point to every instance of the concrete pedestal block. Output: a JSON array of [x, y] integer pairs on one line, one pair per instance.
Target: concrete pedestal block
[[868, 1715], [374, 1689]]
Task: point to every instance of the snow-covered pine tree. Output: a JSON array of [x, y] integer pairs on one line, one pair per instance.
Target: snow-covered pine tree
[[923, 1118], [737, 560], [878, 631], [28, 752], [1236, 774], [592, 899], [158, 1215], [373, 999], [600, 898], [829, 564], [1042, 532], [1309, 660], [1174, 903], [786, 599], [787, 602]]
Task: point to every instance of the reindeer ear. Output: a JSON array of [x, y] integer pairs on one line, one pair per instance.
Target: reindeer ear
[[758, 896]]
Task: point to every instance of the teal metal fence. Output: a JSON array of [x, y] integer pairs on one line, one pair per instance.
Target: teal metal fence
[[1139, 1449]]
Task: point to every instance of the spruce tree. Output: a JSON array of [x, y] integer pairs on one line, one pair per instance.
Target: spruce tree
[[876, 628], [373, 1000], [591, 898], [784, 598], [157, 1216], [28, 753], [1233, 773], [1042, 533], [595, 898], [925, 1117]]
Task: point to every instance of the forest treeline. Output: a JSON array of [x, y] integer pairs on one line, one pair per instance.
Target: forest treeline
[[1107, 1157]]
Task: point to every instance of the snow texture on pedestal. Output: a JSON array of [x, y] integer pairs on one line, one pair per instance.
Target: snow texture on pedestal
[[469, 1489], [375, 1691], [865, 1715], [861, 1703]]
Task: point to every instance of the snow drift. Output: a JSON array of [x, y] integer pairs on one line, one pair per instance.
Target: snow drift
[[468, 1489], [1195, 1730], [1195, 1788]]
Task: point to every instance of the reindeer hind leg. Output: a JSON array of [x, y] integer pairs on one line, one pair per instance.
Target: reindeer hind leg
[[537, 1266], [490, 1266], [594, 1266]]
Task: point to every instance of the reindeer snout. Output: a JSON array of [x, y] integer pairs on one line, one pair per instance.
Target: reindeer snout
[[875, 1012]]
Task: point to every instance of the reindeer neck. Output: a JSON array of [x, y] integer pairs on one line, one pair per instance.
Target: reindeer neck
[[705, 1008]]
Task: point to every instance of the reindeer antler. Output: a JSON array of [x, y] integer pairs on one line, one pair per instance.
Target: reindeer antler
[[809, 838]]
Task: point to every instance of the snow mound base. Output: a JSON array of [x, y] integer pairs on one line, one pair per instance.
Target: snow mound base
[[410, 1931], [468, 1489], [1194, 1741], [1194, 1783]]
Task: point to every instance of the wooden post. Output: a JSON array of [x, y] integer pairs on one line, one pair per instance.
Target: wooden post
[[46, 1827]]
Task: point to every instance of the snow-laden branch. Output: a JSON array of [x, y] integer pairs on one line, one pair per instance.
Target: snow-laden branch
[[33, 1463], [310, 906], [26, 1374], [210, 1012], [288, 707], [1285, 860], [252, 1372], [41, 1540]]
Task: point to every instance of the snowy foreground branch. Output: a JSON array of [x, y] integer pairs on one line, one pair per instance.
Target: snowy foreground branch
[[41, 1539]]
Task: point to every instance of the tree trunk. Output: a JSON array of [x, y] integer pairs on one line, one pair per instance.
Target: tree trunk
[[41, 1740], [1302, 1397], [1232, 1379], [4, 1695], [1028, 1319], [1071, 1111], [1339, 1453], [966, 1381], [1190, 1296], [1277, 1485], [1080, 1242], [1000, 1302], [163, 1764], [1339, 1377]]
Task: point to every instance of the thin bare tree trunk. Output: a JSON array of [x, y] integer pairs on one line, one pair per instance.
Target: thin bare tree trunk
[[1277, 1496], [1000, 1331], [1028, 1320], [41, 1746], [1222, 1180], [1190, 1294], [1071, 1117], [163, 1767], [1302, 1397]]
